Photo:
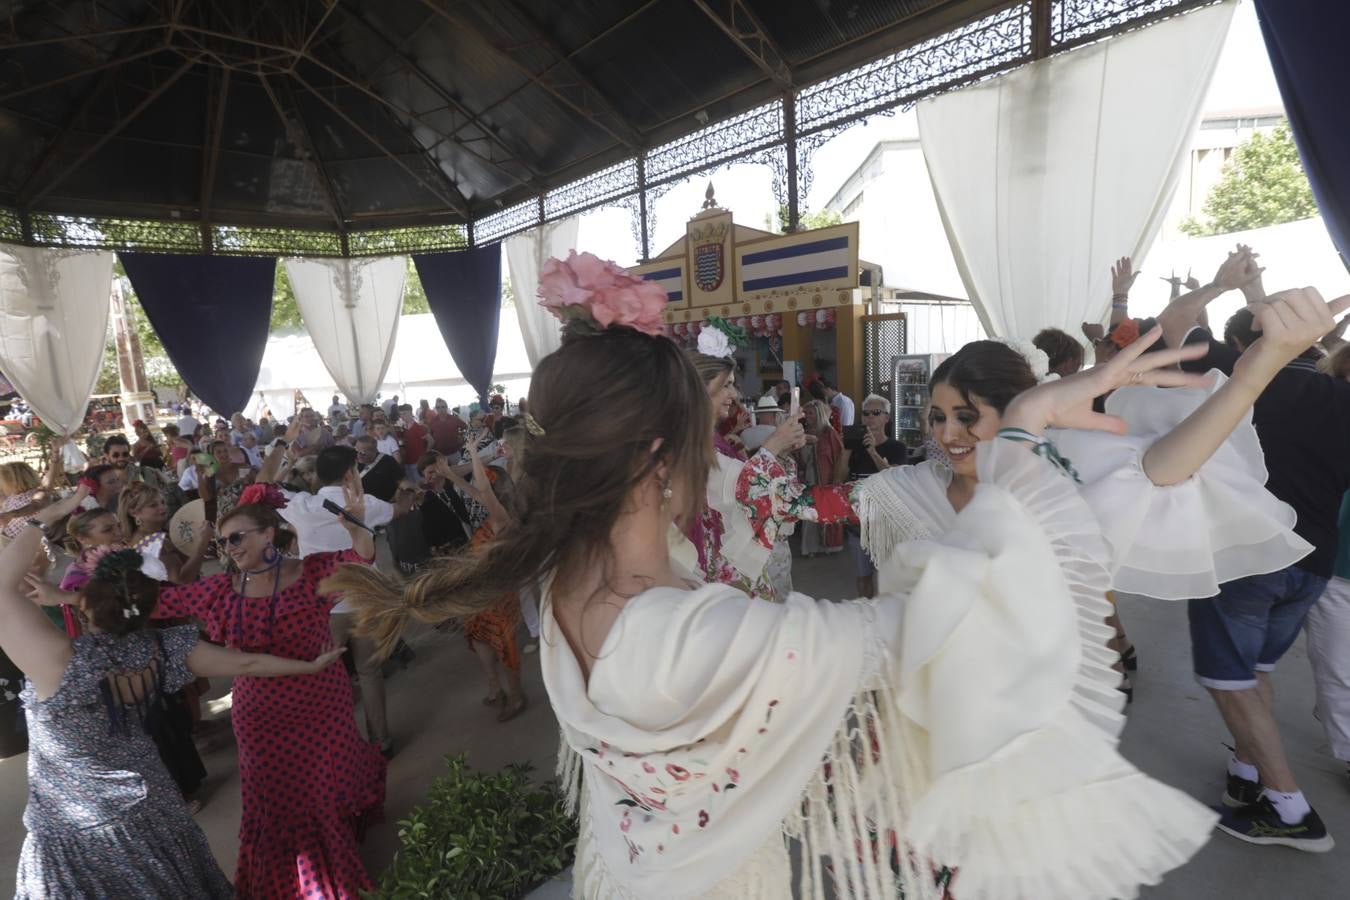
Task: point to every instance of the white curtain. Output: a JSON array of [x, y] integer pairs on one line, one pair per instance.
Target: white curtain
[[525, 256], [351, 309], [1046, 175], [282, 405], [54, 328]]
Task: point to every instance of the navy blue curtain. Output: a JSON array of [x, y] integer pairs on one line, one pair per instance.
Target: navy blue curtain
[[464, 291], [212, 313], [1306, 40]]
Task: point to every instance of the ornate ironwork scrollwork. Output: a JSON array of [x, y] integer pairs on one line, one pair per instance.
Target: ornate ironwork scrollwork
[[252, 241], [509, 221], [415, 239], [11, 227], [710, 147], [115, 234], [981, 48], [1072, 21], [617, 181]]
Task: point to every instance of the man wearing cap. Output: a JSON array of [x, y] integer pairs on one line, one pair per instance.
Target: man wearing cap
[[768, 416]]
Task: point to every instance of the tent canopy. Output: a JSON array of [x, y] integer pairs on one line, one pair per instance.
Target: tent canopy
[[388, 112], [346, 116]]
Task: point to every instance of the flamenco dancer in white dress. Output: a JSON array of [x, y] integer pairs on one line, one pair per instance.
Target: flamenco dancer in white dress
[[1178, 524]]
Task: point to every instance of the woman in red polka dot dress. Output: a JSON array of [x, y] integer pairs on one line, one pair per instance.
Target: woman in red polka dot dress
[[310, 783]]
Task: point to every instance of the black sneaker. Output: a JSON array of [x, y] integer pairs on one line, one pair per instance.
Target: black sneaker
[[1240, 792], [1260, 823]]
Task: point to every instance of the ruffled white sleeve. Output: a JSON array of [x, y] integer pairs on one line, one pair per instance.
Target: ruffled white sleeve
[[1005, 686], [1180, 541]]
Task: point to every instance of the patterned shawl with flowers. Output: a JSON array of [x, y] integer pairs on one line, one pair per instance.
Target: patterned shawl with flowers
[[969, 720]]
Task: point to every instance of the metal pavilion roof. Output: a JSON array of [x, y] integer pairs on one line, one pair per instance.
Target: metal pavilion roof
[[348, 118]]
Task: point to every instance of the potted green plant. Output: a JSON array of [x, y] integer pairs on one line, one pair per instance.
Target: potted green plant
[[480, 836]]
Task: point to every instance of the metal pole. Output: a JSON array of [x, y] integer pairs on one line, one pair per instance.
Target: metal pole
[[1040, 28], [642, 205], [790, 142]]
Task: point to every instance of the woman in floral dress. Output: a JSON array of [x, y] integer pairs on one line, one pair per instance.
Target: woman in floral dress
[[310, 784], [745, 516]]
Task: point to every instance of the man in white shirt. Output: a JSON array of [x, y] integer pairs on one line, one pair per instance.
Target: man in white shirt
[[249, 445], [841, 402], [336, 408], [768, 416], [319, 531], [187, 426]]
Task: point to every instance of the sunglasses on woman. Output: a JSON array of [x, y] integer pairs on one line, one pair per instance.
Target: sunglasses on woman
[[236, 538]]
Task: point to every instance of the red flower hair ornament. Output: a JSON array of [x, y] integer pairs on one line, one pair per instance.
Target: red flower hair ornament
[[268, 495]]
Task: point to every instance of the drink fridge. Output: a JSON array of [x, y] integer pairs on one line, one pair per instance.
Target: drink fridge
[[910, 396]]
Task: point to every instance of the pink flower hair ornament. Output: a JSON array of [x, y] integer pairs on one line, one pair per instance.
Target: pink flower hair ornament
[[588, 294]]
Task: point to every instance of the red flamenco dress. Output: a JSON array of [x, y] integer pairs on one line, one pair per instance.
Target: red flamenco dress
[[310, 784]]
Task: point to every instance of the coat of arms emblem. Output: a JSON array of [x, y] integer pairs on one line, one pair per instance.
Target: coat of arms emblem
[[709, 266], [710, 257]]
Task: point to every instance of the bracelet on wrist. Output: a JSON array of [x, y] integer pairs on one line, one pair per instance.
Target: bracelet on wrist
[[1119, 297], [1042, 448], [1021, 435], [40, 526]]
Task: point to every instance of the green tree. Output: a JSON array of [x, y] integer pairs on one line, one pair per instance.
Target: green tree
[[805, 221], [414, 295], [1262, 184]]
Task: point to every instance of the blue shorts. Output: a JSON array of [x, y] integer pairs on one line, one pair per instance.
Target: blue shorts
[[1249, 625]]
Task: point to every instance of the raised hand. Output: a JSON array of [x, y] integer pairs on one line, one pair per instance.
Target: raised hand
[[354, 502], [1123, 275], [1067, 403], [787, 437], [1290, 322], [1238, 270]]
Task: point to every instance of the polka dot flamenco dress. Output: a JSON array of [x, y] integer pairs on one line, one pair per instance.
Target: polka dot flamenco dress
[[310, 783]]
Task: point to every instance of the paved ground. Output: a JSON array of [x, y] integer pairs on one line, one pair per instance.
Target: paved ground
[[1174, 734]]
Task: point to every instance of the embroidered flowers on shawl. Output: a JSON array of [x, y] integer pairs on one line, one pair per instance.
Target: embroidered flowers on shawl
[[772, 497]]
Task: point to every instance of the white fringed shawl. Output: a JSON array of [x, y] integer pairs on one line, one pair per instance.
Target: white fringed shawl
[[971, 718]]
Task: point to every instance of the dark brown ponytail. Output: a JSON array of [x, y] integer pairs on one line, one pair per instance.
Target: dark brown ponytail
[[601, 403]]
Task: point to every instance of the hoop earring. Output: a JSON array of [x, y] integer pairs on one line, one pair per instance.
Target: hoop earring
[[270, 555]]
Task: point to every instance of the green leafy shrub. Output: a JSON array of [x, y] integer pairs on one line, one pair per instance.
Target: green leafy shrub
[[480, 836]]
